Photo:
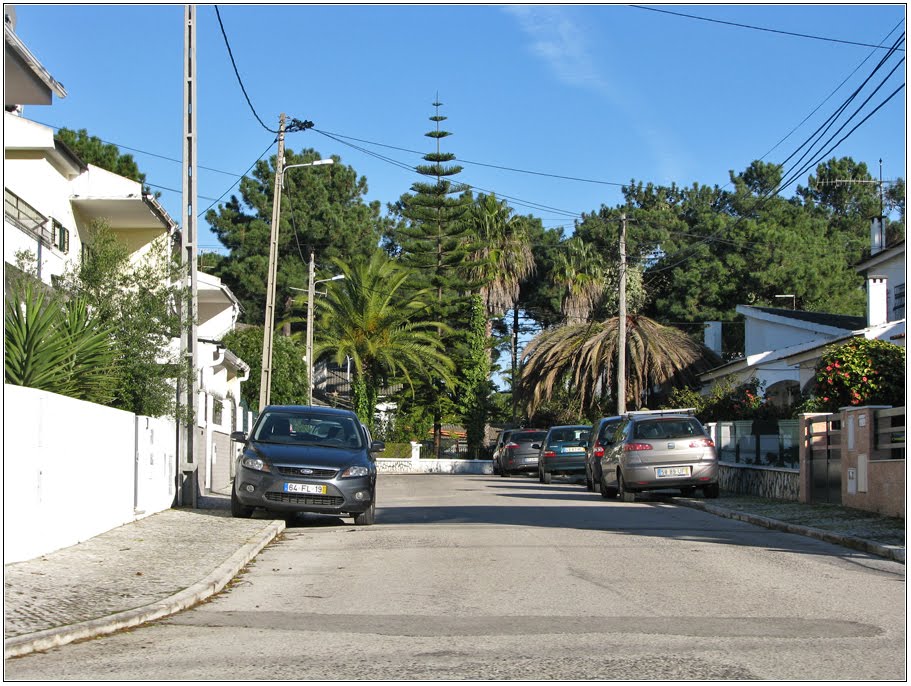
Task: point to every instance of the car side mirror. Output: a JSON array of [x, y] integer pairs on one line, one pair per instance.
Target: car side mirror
[[536, 446], [239, 436], [377, 447]]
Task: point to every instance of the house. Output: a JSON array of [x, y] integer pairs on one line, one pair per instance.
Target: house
[[782, 346], [52, 201]]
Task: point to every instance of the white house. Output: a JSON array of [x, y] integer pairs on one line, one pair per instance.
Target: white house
[[782, 346]]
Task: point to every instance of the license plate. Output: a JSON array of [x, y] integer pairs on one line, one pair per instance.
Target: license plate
[[574, 449], [305, 488], [672, 471]]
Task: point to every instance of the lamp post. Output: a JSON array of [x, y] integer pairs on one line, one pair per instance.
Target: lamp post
[[311, 292], [265, 379]]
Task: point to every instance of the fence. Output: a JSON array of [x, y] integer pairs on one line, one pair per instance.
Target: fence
[[73, 470], [758, 443], [855, 457]]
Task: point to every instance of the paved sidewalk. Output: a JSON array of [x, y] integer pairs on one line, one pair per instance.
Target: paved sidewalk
[[175, 559], [133, 574]]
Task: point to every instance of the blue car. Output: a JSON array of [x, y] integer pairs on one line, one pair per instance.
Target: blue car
[[563, 451], [306, 459]]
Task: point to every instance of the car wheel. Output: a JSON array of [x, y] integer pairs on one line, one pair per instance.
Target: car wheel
[[622, 490], [504, 472], [546, 477], [606, 492], [238, 509], [711, 491], [368, 516], [540, 476]]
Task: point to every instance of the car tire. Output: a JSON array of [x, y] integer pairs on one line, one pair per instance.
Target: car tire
[[368, 516], [540, 476], [504, 472], [625, 494], [238, 509], [606, 492], [546, 477], [711, 491]]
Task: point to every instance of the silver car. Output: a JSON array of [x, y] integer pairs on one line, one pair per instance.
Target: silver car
[[657, 450]]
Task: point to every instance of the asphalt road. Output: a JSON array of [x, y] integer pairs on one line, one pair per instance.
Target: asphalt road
[[485, 578]]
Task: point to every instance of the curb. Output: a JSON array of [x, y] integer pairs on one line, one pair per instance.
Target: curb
[[201, 590], [896, 553]]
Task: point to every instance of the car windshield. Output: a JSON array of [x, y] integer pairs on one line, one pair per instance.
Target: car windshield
[[310, 428], [667, 428], [526, 436]]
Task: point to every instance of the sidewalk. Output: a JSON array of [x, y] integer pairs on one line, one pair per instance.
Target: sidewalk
[[175, 559], [133, 574]]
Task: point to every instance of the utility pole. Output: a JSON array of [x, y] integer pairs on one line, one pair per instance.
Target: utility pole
[[311, 286], [621, 337], [265, 379], [188, 381]]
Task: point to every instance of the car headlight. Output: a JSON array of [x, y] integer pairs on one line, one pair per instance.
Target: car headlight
[[257, 463], [355, 471]]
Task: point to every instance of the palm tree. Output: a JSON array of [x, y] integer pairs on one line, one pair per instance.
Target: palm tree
[[580, 270], [371, 320], [581, 357], [504, 259]]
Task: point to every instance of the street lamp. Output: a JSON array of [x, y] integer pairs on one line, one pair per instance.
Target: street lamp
[[311, 292], [265, 379]]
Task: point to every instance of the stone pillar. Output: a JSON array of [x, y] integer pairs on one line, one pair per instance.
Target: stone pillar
[[807, 441]]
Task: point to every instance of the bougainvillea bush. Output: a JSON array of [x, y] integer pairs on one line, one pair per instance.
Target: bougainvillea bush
[[860, 372]]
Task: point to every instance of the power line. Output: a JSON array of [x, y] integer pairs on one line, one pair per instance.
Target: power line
[[760, 28]]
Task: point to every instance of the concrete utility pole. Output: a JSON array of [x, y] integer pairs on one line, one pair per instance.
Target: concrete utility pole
[[265, 379], [311, 287], [621, 337], [188, 384]]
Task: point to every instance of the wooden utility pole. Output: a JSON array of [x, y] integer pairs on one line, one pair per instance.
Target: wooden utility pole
[[621, 337], [311, 288], [265, 378]]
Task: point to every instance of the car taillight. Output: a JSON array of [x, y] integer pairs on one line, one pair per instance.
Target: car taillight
[[598, 451], [703, 443], [511, 446], [549, 453], [631, 447]]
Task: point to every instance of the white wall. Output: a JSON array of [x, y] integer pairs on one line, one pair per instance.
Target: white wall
[[73, 470]]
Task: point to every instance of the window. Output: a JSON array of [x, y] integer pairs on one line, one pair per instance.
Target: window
[[61, 236], [898, 305]]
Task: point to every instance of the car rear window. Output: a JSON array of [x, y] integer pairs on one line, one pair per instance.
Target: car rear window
[[528, 436], [667, 428], [570, 434], [608, 430]]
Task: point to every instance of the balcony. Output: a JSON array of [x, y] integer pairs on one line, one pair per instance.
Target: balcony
[[27, 218]]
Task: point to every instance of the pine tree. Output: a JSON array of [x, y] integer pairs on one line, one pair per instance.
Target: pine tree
[[435, 240]]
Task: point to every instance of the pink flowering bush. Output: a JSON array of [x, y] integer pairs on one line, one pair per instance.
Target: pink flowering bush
[[860, 372]]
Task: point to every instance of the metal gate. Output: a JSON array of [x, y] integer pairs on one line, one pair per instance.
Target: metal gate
[[824, 449]]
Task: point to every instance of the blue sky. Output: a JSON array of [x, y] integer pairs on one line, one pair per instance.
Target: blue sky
[[601, 93]]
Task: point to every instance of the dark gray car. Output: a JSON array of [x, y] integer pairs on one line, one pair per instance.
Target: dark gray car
[[306, 459], [519, 453], [563, 451], [602, 436], [657, 450]]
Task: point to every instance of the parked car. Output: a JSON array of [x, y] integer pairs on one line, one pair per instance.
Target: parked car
[[660, 449], [602, 435], [519, 453], [502, 440], [563, 451], [306, 459]]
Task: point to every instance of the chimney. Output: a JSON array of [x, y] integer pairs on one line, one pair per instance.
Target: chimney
[[713, 336], [877, 235], [877, 300]]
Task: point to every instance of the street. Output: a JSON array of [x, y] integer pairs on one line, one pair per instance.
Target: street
[[486, 578]]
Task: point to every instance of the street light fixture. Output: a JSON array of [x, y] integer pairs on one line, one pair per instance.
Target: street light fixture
[[265, 379], [311, 292]]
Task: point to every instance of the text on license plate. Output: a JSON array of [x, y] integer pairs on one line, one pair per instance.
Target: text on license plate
[[305, 488], [574, 449], [672, 471]]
